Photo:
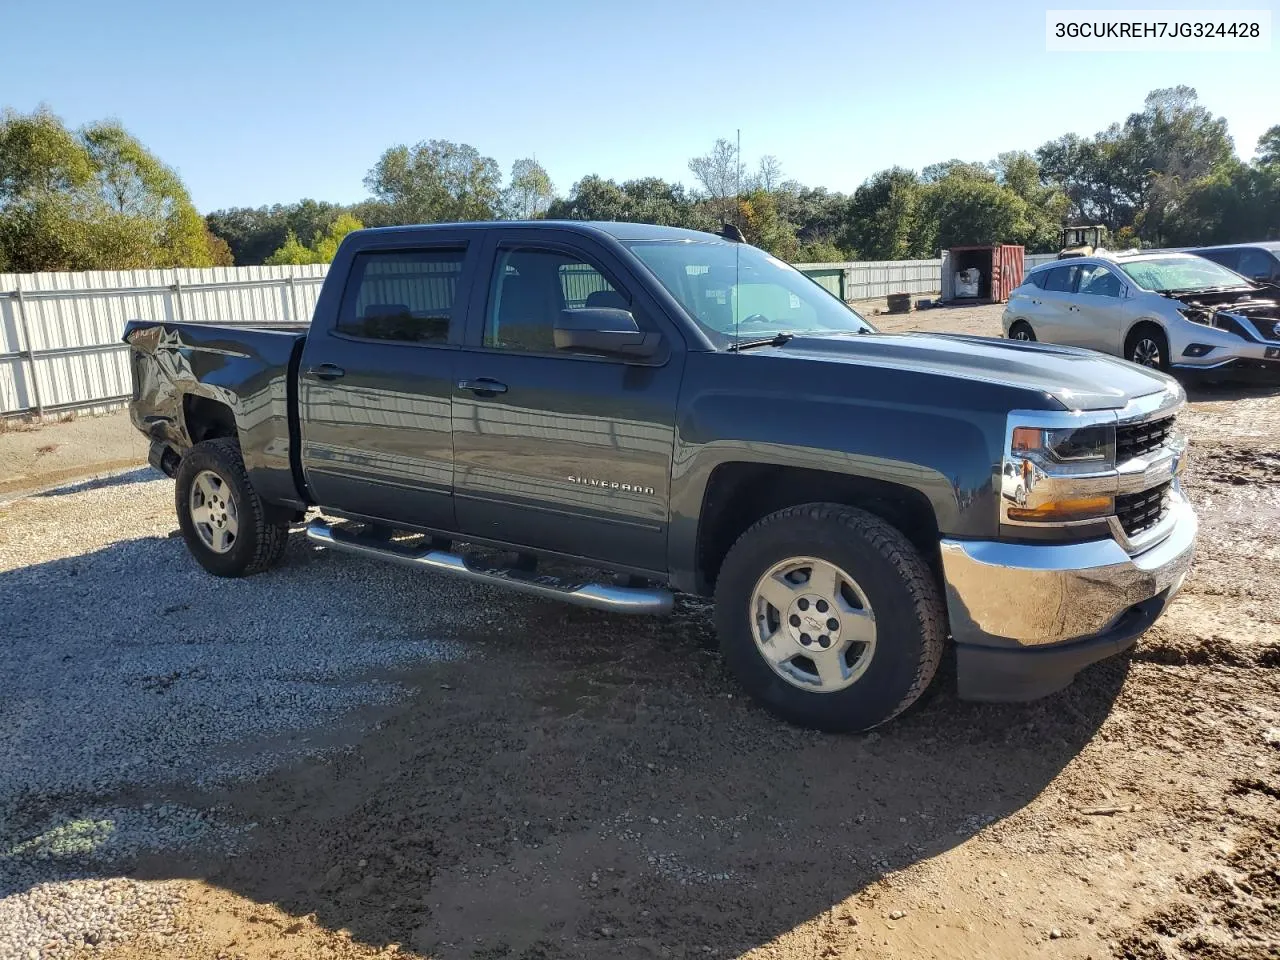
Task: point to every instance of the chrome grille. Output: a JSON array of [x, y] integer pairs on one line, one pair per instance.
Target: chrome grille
[[1142, 511], [1136, 439]]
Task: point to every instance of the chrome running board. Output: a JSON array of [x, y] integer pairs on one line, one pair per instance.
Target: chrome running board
[[598, 596]]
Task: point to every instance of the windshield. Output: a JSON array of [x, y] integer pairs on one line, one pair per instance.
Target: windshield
[[1181, 273], [738, 292]]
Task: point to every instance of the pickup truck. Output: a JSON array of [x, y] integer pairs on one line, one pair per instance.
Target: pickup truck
[[685, 413]]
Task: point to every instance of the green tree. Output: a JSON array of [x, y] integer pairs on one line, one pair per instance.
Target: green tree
[[323, 250], [820, 251], [1047, 206], [92, 199], [326, 247], [437, 181], [883, 221], [292, 251], [1236, 203], [1269, 146], [531, 190], [765, 227], [960, 209], [592, 198]]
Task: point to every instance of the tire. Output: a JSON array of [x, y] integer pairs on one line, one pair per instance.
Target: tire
[[1021, 330], [888, 579], [1141, 340], [257, 540]]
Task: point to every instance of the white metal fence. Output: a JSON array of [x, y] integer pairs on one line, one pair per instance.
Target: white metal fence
[[60, 346], [869, 279]]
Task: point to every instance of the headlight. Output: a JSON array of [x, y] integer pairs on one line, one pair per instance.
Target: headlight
[[1214, 318], [1093, 445], [1055, 473]]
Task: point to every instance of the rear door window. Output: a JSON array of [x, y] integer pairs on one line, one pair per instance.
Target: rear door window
[[407, 296], [1062, 279]]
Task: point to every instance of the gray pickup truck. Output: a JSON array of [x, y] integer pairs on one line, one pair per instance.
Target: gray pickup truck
[[683, 412]]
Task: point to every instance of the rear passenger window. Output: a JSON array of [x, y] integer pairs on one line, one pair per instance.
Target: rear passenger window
[[1062, 279], [531, 287], [402, 295]]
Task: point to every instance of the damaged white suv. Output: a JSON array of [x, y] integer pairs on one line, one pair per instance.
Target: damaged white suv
[[1173, 311]]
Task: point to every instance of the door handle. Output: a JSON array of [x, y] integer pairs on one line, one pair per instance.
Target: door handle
[[326, 371], [483, 386]]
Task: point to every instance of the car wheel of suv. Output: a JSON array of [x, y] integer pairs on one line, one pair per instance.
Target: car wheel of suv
[[1148, 346], [829, 617], [1021, 330], [227, 526]]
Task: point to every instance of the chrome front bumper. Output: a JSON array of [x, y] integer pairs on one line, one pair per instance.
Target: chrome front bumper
[[1030, 595]]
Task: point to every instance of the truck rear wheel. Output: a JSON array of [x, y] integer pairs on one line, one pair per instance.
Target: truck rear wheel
[[829, 617], [227, 526]]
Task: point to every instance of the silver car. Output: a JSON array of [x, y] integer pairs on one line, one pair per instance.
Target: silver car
[[1172, 311]]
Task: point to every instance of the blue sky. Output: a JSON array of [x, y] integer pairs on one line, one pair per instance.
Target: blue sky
[[268, 102]]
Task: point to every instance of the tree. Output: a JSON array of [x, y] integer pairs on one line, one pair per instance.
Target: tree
[[720, 173], [323, 250], [437, 181], [960, 168], [92, 199], [530, 192], [592, 198], [765, 227], [768, 175], [1236, 203], [1136, 173], [292, 251], [960, 209], [327, 246], [1173, 141], [883, 218], [1269, 147], [1047, 206]]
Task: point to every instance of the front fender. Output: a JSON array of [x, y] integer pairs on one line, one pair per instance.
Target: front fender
[[895, 428]]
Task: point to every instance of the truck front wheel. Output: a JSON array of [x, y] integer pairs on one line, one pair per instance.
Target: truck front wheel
[[227, 526], [829, 617]]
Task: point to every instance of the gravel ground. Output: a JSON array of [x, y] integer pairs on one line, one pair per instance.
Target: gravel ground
[[155, 673], [344, 759]]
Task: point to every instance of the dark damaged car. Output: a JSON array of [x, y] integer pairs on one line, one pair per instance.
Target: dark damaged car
[[679, 411]]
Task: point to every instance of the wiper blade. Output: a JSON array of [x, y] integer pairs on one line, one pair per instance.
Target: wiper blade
[[777, 340]]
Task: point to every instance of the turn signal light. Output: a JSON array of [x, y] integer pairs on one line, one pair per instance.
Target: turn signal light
[[1079, 508]]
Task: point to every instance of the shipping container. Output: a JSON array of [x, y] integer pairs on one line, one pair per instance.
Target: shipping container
[[999, 270]]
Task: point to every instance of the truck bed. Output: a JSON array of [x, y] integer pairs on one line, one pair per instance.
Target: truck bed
[[247, 374]]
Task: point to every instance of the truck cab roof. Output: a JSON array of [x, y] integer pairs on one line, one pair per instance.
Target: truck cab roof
[[610, 229]]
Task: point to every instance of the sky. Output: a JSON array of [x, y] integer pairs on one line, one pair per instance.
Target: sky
[[273, 101]]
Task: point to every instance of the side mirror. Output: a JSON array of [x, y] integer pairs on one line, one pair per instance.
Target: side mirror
[[604, 330]]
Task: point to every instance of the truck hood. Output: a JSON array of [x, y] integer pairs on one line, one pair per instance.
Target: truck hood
[[1078, 379]]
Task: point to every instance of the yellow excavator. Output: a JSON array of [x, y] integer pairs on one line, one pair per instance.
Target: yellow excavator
[[1080, 241]]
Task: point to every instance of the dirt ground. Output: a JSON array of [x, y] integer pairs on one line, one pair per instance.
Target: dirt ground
[[596, 786], [74, 447]]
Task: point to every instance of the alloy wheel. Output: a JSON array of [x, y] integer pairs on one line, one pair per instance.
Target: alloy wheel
[[214, 511], [1147, 353], [813, 624]]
